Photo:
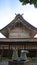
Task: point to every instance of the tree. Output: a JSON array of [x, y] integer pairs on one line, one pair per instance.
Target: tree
[[24, 2]]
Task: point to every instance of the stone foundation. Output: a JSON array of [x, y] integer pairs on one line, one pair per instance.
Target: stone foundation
[[18, 63]]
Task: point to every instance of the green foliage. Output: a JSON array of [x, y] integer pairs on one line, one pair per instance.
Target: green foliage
[[29, 58], [24, 2], [33, 59]]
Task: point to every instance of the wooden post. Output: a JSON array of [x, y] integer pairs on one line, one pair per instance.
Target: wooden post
[[2, 52]]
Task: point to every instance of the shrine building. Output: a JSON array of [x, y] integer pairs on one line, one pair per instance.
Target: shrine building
[[19, 34]]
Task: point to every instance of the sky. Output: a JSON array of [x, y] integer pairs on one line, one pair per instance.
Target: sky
[[8, 8]]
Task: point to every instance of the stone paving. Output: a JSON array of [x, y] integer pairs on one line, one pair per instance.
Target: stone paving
[[33, 63], [6, 63]]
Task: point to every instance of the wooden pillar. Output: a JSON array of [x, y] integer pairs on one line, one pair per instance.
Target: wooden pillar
[[9, 46], [2, 52], [36, 53], [9, 51]]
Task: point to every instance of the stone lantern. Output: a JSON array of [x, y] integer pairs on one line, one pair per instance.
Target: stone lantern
[[15, 54], [23, 55], [22, 60]]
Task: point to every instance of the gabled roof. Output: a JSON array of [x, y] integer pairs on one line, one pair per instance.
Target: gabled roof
[[6, 29]]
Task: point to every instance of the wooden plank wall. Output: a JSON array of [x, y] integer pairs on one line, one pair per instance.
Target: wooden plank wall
[[26, 46]]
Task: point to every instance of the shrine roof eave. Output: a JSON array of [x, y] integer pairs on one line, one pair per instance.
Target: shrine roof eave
[[18, 40]]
